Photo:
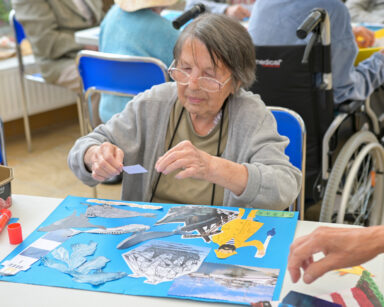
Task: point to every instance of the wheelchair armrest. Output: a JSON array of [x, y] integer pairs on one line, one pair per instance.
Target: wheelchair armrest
[[350, 107]]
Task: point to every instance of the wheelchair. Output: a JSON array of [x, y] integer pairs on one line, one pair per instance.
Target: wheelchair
[[345, 156]]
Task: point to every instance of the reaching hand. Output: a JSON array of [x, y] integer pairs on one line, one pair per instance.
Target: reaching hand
[[364, 38], [237, 11], [191, 161], [105, 161], [342, 247]]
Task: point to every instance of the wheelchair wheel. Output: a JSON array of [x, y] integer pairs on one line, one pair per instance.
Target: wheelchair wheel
[[340, 170], [362, 197]]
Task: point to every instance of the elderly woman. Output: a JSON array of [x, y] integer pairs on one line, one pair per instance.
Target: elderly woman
[[203, 138]]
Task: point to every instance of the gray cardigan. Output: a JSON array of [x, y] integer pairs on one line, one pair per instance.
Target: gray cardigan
[[140, 131]]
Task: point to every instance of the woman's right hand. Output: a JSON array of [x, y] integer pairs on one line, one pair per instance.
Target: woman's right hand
[[104, 161]]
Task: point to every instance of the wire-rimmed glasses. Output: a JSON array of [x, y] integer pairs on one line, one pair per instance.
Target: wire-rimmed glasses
[[205, 83]]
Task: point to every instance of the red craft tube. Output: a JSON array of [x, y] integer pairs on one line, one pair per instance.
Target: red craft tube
[[15, 233], [5, 215]]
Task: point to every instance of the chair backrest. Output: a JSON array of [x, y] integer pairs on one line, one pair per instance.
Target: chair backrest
[[18, 32], [17, 27], [119, 74], [291, 125], [116, 74], [20, 35]]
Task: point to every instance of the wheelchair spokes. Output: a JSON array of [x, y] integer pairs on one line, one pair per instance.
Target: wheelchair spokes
[[361, 201], [354, 193]]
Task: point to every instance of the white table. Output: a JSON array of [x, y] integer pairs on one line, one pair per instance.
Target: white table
[[88, 36], [32, 210]]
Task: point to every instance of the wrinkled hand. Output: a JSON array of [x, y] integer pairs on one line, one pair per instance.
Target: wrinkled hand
[[105, 161], [237, 11], [192, 162], [342, 247], [364, 38]]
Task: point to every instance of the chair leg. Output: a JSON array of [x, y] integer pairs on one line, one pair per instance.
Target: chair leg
[[27, 128], [81, 115]]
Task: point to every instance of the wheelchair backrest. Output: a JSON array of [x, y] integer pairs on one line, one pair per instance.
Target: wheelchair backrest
[[283, 80]]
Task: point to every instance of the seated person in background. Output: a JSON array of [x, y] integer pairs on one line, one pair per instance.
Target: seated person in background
[[371, 11], [203, 138], [135, 28], [50, 26], [237, 9], [342, 248], [274, 22]]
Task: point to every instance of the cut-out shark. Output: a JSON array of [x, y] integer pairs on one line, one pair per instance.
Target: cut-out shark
[[71, 221]]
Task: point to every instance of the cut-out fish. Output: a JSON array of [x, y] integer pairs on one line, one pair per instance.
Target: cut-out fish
[[113, 231], [145, 236], [111, 212], [120, 203], [71, 221]]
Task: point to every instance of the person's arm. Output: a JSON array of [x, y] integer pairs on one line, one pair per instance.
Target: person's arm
[[350, 82], [139, 131], [273, 182], [358, 9], [40, 25], [342, 247], [355, 83]]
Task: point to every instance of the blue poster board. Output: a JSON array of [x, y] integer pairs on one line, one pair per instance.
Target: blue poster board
[[165, 265]]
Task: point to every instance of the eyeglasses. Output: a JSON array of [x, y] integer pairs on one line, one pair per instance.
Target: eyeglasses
[[205, 83]]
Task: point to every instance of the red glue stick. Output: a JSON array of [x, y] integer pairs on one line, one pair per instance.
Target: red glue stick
[[5, 215]]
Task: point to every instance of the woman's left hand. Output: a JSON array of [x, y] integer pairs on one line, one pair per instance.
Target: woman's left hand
[[192, 162]]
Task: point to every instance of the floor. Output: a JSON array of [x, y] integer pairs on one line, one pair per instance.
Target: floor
[[44, 171]]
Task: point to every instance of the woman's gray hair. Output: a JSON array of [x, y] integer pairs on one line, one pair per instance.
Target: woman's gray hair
[[227, 41]]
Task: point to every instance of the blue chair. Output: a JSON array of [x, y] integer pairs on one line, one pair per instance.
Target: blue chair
[[19, 37], [116, 74], [291, 125]]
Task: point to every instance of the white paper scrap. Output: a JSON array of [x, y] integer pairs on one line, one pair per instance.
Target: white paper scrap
[[134, 169]]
